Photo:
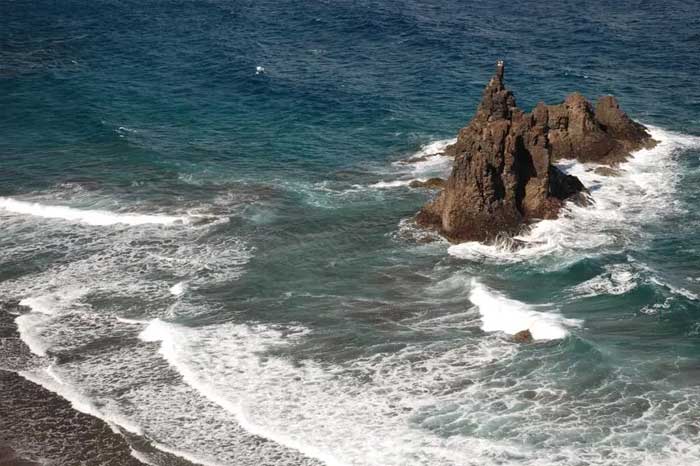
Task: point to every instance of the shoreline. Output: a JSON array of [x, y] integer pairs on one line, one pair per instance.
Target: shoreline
[[38, 426]]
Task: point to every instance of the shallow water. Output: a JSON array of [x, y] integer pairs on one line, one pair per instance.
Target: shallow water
[[222, 265]]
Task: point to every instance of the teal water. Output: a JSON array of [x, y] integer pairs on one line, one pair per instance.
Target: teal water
[[212, 256]]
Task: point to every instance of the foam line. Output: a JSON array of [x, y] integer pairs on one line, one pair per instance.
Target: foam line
[[29, 328], [394, 183], [178, 288], [43, 307], [167, 334], [89, 217], [48, 379]]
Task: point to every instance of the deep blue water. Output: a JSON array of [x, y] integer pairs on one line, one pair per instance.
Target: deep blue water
[[212, 254]]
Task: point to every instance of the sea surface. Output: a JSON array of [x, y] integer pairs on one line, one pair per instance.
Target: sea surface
[[219, 261]]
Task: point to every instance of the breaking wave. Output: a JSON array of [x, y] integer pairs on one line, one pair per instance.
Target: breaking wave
[[430, 161], [499, 313], [89, 217], [641, 191]]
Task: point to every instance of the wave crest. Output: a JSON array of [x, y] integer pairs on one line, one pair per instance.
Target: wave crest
[[499, 313], [89, 217]]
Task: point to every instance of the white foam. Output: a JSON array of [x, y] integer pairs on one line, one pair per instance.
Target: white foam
[[433, 148], [135, 267], [89, 217], [178, 288], [29, 327], [499, 313], [142, 458], [622, 207], [53, 302], [380, 409], [435, 165], [132, 321], [430, 161], [429, 154], [621, 278], [676, 289], [187, 455], [616, 280], [409, 230], [43, 307], [49, 379], [438, 403], [171, 338], [394, 183]]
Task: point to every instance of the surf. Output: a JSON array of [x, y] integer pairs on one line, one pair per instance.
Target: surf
[[642, 190], [502, 314], [88, 217]]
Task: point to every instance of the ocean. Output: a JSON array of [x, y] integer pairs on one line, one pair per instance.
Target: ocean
[[207, 253]]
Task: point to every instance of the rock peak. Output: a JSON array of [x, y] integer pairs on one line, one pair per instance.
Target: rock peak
[[496, 100], [503, 176], [500, 70]]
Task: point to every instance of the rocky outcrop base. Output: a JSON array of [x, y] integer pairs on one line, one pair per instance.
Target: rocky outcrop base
[[503, 175]]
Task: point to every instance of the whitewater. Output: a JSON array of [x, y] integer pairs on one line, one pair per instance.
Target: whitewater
[[439, 398]]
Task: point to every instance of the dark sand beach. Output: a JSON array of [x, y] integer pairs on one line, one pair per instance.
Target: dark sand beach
[[38, 426]]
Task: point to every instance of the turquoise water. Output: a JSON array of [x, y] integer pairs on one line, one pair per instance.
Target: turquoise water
[[213, 256]]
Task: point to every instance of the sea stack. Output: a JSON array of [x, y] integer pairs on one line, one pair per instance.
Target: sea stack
[[605, 135], [503, 175]]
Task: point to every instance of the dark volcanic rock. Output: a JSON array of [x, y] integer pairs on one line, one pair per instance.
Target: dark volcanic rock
[[606, 135], [502, 174], [523, 336], [431, 183]]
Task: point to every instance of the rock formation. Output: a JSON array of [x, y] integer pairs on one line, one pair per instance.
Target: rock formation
[[606, 135], [430, 183], [503, 175], [523, 336]]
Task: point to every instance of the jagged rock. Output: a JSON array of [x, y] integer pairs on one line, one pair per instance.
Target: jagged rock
[[502, 174], [606, 135], [431, 183], [523, 336]]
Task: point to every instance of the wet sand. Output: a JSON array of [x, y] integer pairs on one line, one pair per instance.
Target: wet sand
[[39, 427]]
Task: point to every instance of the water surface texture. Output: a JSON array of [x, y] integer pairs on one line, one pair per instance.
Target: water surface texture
[[219, 261]]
